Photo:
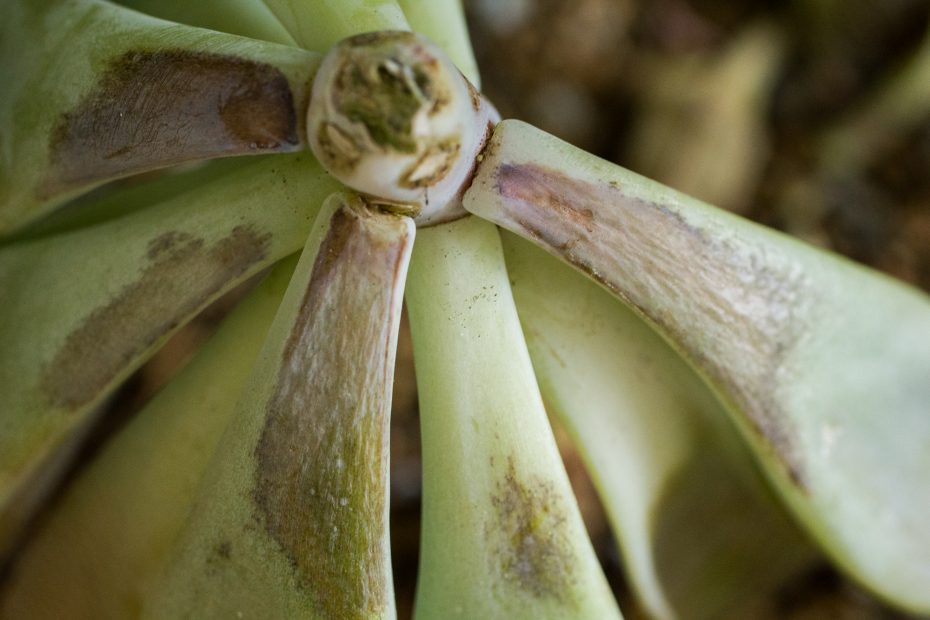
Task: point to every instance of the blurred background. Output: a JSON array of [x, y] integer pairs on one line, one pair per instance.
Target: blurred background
[[811, 116]]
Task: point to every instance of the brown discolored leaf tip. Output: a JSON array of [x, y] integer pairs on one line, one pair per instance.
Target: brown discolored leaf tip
[[736, 315], [321, 462], [152, 109]]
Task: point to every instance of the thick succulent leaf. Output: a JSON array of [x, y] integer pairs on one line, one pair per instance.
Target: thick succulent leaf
[[291, 520], [247, 18], [822, 363], [127, 196], [320, 25], [443, 21], [502, 536], [699, 531], [93, 91], [82, 310], [108, 537]]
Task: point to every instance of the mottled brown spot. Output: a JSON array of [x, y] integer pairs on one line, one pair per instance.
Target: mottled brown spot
[[528, 530], [734, 310], [323, 454], [167, 242], [153, 109], [182, 276]]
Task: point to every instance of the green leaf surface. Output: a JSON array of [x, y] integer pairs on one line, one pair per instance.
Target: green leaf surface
[[291, 520], [502, 535], [82, 310], [93, 92], [127, 196], [700, 532], [320, 25], [443, 21], [822, 363], [107, 539], [247, 18]]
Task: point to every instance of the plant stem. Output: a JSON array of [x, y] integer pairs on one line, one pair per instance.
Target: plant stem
[[391, 116]]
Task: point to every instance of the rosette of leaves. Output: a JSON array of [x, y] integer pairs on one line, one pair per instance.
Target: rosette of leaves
[[716, 376]]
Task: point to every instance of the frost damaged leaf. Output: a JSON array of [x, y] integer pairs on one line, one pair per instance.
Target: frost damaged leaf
[[142, 312], [822, 363], [110, 533], [154, 108], [292, 517], [94, 92], [699, 532], [76, 320], [502, 535]]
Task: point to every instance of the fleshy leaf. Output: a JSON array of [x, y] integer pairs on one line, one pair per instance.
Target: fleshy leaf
[[700, 532], [502, 535], [109, 536], [292, 517], [128, 196], [247, 18], [823, 364], [82, 310], [320, 25], [443, 21], [93, 91]]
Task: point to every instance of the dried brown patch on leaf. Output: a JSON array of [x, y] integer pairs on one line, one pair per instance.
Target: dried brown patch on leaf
[[733, 310], [323, 454], [156, 108], [531, 546], [183, 274]]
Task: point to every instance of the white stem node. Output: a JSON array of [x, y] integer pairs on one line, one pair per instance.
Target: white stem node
[[392, 117]]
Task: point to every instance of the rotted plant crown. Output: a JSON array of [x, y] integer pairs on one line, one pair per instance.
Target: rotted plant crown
[[392, 117]]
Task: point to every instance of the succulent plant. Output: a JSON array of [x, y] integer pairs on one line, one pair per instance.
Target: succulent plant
[[715, 375]]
